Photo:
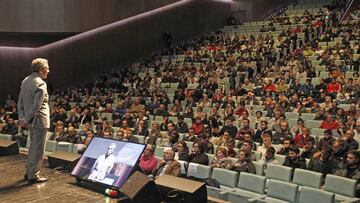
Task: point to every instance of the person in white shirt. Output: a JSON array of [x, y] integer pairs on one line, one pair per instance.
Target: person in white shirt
[[103, 165]]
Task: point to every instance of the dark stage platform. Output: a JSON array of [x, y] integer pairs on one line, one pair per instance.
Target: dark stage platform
[[61, 186]]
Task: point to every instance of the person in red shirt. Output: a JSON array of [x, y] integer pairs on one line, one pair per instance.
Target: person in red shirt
[[148, 161], [329, 123], [240, 110], [333, 87], [269, 87], [302, 138], [198, 126]]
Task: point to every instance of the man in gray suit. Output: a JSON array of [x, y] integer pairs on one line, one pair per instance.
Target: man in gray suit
[[34, 114]]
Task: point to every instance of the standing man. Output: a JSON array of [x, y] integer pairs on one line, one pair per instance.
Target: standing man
[[34, 114]]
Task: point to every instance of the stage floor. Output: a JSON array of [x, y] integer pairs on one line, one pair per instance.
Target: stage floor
[[61, 186]]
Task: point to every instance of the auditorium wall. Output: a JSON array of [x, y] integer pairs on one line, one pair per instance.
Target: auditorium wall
[[77, 59], [69, 15]]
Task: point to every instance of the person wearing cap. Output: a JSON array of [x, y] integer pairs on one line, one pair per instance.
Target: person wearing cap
[[326, 141]]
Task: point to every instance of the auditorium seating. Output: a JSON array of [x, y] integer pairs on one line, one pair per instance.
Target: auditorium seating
[[307, 178], [344, 188], [282, 187], [279, 191], [249, 186], [309, 194], [278, 172]]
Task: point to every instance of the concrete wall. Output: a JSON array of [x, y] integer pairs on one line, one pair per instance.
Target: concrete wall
[[82, 57], [69, 15]]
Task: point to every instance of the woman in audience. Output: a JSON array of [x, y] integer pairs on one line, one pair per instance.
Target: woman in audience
[[243, 164], [154, 133], [189, 113], [221, 159], [182, 151], [198, 155], [148, 161]]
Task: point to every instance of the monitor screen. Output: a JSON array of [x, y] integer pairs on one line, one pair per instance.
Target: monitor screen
[[108, 161]]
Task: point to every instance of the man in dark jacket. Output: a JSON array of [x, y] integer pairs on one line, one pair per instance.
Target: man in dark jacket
[[294, 160]]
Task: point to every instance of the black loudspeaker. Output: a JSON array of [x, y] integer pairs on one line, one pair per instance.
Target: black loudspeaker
[[181, 189], [8, 147], [63, 159], [140, 189]]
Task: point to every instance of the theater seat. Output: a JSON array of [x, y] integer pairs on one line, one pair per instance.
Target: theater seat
[[198, 171], [249, 186], [64, 146], [280, 192], [308, 194], [308, 178], [278, 172], [344, 188]]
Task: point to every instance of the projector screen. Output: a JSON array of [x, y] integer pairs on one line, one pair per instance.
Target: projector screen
[[108, 161]]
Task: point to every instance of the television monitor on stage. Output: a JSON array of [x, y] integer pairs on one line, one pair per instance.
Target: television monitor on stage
[[107, 161]]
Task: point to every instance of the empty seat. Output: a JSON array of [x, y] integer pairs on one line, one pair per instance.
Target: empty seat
[[259, 165], [317, 132], [77, 147], [225, 177], [307, 116], [291, 115], [307, 178], [280, 158], [249, 186], [312, 123], [64, 146], [198, 171], [140, 138], [278, 172], [308, 194], [159, 151], [50, 146], [346, 107], [183, 165], [257, 155], [210, 156], [344, 188], [5, 137], [279, 191]]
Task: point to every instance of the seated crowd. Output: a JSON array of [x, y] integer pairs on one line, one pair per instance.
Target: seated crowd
[[231, 96]]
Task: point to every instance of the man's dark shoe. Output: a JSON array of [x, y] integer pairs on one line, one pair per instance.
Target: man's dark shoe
[[25, 177], [37, 180]]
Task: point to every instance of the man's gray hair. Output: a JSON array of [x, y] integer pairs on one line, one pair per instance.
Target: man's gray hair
[[38, 63]]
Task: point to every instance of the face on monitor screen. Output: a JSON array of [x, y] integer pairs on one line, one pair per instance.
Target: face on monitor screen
[[108, 161]]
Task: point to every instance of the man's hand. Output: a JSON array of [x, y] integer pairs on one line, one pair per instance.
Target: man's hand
[[22, 123]]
